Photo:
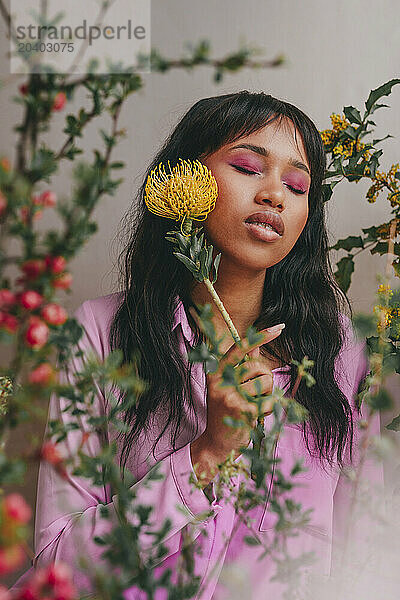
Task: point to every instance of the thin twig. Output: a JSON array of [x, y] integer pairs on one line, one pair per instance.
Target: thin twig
[[61, 153], [103, 10]]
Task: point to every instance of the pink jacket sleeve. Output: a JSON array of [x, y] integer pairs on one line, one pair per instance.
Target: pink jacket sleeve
[[371, 491], [68, 513]]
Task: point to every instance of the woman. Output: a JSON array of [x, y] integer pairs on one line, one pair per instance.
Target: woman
[[268, 160]]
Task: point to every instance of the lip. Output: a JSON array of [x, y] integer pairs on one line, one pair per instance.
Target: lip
[[262, 234], [270, 217]]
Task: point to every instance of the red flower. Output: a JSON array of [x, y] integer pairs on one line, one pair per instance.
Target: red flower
[[48, 198], [58, 573], [30, 299], [59, 101], [33, 267], [3, 204], [54, 314], [8, 322], [37, 333], [57, 577], [15, 508], [6, 297], [56, 264], [5, 164], [42, 375], [50, 453], [24, 89], [63, 282], [11, 558]]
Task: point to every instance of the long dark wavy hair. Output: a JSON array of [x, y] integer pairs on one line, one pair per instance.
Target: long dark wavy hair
[[300, 290]]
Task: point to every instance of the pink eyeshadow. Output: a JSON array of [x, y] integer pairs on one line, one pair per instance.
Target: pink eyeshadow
[[247, 164], [297, 182]]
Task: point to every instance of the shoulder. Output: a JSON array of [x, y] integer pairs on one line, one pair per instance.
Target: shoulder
[[96, 315]]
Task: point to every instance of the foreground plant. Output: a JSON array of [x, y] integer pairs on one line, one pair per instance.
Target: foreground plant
[[34, 326]]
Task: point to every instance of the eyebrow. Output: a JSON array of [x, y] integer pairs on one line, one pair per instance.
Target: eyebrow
[[264, 152]]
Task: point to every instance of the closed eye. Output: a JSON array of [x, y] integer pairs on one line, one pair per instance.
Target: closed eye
[[248, 172], [295, 191], [243, 170]]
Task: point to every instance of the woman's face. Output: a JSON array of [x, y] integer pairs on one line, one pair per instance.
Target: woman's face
[[270, 175]]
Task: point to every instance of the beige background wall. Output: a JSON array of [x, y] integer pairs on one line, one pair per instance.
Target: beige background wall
[[337, 51]]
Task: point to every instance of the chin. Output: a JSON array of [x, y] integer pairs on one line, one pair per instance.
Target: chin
[[254, 263]]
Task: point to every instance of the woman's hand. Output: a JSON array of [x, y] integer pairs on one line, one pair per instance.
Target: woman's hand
[[218, 439]]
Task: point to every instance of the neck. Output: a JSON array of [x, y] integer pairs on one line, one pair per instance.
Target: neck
[[240, 292]]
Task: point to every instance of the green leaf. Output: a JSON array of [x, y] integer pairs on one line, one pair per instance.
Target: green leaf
[[228, 376], [211, 364], [344, 272], [298, 468], [183, 241], [364, 325], [202, 260], [391, 363], [251, 541], [383, 90], [187, 262], [42, 165], [394, 425], [235, 423], [327, 192], [217, 260], [253, 336], [374, 162], [380, 401], [209, 258], [372, 234], [351, 132], [374, 142], [374, 344], [327, 188], [380, 248], [72, 128], [348, 243], [376, 106], [352, 114], [114, 359], [194, 248]]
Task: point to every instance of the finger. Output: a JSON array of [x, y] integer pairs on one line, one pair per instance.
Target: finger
[[255, 352], [236, 353], [265, 384], [253, 368]]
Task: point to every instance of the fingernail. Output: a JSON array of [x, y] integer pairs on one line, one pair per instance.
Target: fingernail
[[276, 328]]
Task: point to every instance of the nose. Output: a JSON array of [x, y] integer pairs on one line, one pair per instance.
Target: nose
[[272, 194]]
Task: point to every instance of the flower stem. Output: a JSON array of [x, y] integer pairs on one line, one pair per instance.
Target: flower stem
[[222, 310], [186, 226], [259, 429]]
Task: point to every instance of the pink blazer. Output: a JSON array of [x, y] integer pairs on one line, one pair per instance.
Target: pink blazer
[[68, 510]]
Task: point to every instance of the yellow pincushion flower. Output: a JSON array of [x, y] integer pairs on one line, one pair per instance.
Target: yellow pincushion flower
[[189, 190]]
